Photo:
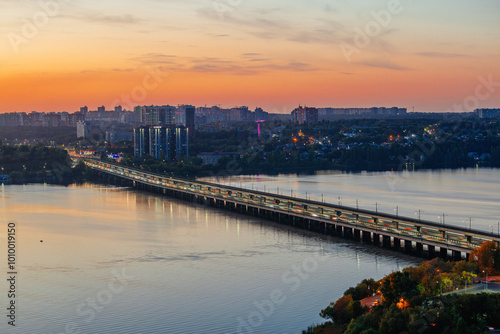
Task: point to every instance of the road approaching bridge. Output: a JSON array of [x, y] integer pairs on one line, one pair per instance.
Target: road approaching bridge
[[411, 235]]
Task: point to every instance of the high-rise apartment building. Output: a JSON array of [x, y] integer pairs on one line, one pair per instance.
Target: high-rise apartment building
[[303, 115], [162, 142], [168, 142], [182, 143], [185, 116], [82, 129], [141, 141], [155, 115]]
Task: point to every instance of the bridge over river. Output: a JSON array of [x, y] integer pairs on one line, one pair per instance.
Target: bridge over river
[[415, 236]]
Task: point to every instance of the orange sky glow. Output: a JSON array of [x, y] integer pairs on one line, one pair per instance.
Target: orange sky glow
[[59, 55]]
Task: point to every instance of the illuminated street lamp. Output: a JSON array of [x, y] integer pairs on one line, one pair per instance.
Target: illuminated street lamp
[[486, 286]]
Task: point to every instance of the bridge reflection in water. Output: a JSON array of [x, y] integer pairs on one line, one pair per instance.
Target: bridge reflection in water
[[413, 236]]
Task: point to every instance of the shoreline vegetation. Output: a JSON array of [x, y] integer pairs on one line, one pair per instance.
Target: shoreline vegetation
[[38, 163], [435, 297]]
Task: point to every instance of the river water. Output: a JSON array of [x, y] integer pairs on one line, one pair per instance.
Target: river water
[[94, 259]]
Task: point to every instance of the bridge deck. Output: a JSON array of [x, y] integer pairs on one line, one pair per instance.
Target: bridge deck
[[404, 228]]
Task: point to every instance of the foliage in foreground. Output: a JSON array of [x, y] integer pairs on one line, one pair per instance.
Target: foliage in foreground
[[415, 300]]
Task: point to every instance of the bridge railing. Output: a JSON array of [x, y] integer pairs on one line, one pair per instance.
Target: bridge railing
[[331, 213]]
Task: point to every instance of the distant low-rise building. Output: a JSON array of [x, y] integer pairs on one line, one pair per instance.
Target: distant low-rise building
[[487, 113], [115, 136], [338, 113]]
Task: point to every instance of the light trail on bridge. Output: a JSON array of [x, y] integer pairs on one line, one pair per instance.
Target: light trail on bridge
[[345, 221]]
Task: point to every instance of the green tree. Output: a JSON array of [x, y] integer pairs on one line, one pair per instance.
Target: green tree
[[394, 320], [343, 310], [366, 288], [399, 285]]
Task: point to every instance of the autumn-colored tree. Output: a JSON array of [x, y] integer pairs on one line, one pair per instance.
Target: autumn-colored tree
[[464, 265], [487, 257], [343, 310]]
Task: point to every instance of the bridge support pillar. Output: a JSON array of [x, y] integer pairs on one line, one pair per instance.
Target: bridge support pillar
[[457, 256], [330, 229], [397, 243], [340, 231], [376, 239], [386, 241], [367, 237], [348, 232], [443, 252], [356, 234], [419, 248], [408, 246], [431, 251]]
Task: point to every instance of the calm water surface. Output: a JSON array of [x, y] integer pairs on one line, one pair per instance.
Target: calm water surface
[[181, 268]]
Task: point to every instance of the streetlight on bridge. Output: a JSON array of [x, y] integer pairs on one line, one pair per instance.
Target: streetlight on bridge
[[441, 219], [470, 223]]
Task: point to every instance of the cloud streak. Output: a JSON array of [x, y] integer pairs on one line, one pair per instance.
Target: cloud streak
[[442, 55], [244, 66], [388, 65]]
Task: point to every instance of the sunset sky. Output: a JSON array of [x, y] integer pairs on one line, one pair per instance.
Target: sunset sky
[[274, 54]]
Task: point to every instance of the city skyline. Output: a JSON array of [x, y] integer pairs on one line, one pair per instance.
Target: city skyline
[[61, 55]]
